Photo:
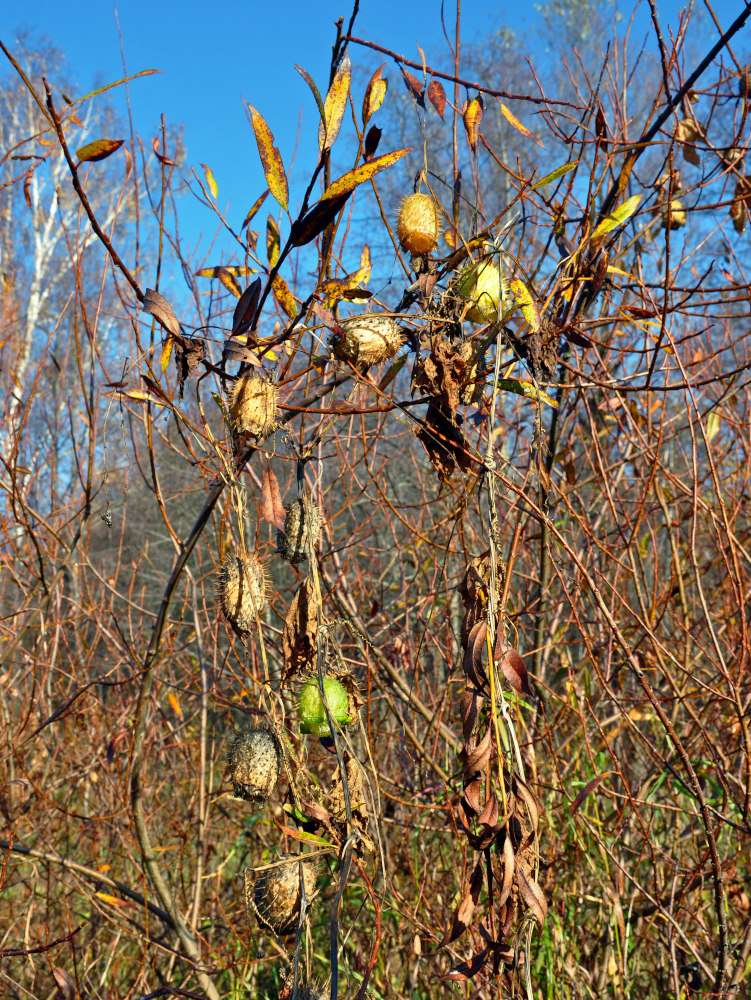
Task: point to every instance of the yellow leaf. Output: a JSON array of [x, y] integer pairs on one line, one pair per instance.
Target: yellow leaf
[[471, 117], [335, 105], [283, 296], [374, 95], [174, 703], [515, 123], [112, 900], [528, 305], [166, 353], [103, 868], [524, 388], [349, 181], [212, 185], [618, 217], [272, 241], [271, 159], [714, 423]]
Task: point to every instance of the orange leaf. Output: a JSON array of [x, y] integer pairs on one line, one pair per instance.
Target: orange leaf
[[374, 95], [335, 105], [349, 181], [437, 96], [472, 117], [100, 149], [174, 703], [271, 159], [112, 900], [515, 123]]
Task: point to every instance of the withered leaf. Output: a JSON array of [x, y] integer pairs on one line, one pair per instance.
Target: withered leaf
[[466, 970], [189, 352], [371, 142], [508, 871], [245, 310], [414, 86], [445, 444], [65, 982], [315, 221], [300, 634], [471, 117], [588, 789], [512, 667], [162, 311], [271, 499], [437, 96], [532, 894], [100, 149]]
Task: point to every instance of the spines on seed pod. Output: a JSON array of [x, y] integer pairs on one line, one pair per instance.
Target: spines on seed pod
[[253, 405], [367, 339], [254, 762], [242, 589], [273, 894], [302, 526], [419, 224]]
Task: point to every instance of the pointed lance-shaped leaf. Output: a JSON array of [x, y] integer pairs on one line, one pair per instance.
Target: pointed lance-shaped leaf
[[618, 217], [414, 86], [283, 296], [100, 149], [271, 159], [256, 205], [335, 105], [437, 96], [245, 310], [317, 219], [528, 305], [229, 281], [272, 240], [162, 157], [162, 311], [236, 270], [588, 789], [515, 123], [554, 175], [316, 92], [210, 181], [532, 895], [374, 95], [349, 181], [371, 142]]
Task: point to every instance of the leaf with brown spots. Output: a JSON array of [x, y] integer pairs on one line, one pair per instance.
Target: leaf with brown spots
[[300, 633], [271, 159]]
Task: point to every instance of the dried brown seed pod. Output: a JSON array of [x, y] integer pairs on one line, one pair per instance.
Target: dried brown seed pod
[[254, 762], [242, 589], [273, 895], [673, 215], [302, 526], [419, 224], [367, 339], [253, 405]]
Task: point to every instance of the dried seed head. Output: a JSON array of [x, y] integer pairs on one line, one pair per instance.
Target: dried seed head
[[481, 285], [302, 526], [253, 405], [273, 895], [673, 215], [419, 224], [368, 339], [242, 589], [254, 761]]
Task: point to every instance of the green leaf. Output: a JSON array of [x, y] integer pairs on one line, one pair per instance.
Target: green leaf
[[349, 181], [523, 388], [554, 175], [618, 217], [109, 86]]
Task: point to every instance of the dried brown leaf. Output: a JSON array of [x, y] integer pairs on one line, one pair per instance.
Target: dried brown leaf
[[300, 633], [162, 311]]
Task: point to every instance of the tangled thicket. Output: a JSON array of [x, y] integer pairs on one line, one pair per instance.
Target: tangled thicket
[[370, 644]]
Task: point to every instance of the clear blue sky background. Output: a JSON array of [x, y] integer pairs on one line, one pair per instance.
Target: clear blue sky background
[[214, 56]]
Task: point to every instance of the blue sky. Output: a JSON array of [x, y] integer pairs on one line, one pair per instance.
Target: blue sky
[[213, 57]]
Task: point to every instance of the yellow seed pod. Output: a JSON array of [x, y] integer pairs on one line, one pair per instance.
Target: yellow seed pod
[[674, 216], [273, 895], [419, 225], [481, 285], [242, 589], [253, 405], [368, 339]]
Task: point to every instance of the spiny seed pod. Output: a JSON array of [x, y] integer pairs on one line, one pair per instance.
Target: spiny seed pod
[[253, 405], [481, 285], [673, 216], [273, 895], [419, 224], [254, 762], [311, 711], [242, 589], [302, 526], [367, 339]]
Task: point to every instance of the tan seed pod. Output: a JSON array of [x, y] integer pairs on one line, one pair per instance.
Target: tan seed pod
[[273, 895], [254, 762], [368, 339], [418, 226], [253, 405], [242, 589], [674, 216], [302, 526]]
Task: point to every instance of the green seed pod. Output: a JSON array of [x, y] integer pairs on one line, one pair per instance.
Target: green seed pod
[[273, 895], [310, 709], [242, 589], [254, 762], [302, 526], [481, 285]]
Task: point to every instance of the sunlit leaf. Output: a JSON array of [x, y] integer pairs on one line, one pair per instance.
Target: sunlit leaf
[[256, 205], [437, 96], [272, 241], [166, 353], [162, 157], [112, 900], [335, 105], [161, 310], [471, 118], [528, 305], [414, 86], [117, 83], [271, 159], [392, 371], [229, 281], [515, 123], [524, 388], [588, 789], [349, 181], [210, 181], [283, 296], [554, 175], [714, 423], [314, 88], [374, 95], [100, 149], [174, 703], [618, 217], [236, 270]]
